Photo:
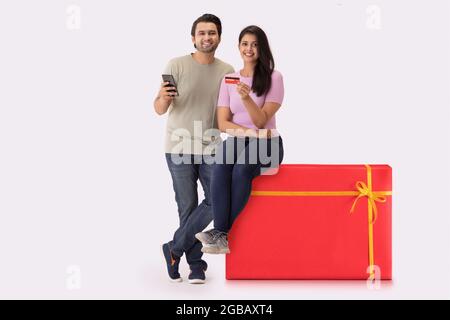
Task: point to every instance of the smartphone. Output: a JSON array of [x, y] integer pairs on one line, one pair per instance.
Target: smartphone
[[169, 78]]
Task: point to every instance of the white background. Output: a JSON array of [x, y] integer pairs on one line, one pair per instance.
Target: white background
[[83, 179]]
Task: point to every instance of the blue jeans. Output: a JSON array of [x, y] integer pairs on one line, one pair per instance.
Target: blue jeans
[[242, 159], [194, 217]]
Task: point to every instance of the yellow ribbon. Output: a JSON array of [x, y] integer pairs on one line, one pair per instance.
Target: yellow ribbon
[[364, 190]]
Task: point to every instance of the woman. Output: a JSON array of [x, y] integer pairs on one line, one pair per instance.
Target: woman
[[246, 111]]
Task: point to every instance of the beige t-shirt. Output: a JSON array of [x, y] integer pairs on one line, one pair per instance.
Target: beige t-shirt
[[192, 112]]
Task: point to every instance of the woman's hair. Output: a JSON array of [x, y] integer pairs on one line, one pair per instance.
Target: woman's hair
[[262, 76]]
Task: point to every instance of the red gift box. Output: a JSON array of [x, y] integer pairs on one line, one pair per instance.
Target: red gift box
[[315, 222]]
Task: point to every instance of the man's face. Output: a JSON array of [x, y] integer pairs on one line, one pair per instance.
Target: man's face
[[206, 37]]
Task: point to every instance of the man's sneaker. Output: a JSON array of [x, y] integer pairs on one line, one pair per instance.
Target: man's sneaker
[[217, 244], [172, 264], [197, 275]]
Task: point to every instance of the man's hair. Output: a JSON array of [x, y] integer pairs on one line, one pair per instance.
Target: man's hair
[[207, 18]]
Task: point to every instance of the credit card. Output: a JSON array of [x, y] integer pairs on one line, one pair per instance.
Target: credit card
[[232, 80]]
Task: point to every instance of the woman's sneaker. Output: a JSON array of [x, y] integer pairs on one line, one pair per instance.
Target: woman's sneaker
[[214, 241], [206, 236]]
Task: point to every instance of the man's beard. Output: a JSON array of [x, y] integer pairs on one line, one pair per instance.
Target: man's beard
[[207, 50]]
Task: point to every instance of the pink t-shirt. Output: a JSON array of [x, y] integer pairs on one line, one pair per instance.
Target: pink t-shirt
[[229, 97]]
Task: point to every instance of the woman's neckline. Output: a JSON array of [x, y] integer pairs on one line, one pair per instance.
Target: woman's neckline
[[240, 73]]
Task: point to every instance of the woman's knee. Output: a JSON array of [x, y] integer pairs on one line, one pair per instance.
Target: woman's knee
[[244, 171]]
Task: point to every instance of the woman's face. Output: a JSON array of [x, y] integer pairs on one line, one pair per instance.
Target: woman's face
[[248, 47]]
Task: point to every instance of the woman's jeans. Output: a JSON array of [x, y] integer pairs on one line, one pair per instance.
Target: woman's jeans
[[238, 162]]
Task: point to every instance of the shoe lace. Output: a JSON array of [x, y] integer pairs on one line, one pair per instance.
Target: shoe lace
[[219, 235]]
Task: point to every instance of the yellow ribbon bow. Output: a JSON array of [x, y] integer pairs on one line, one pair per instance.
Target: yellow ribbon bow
[[372, 197]]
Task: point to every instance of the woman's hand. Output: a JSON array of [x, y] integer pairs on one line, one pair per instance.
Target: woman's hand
[[243, 90]]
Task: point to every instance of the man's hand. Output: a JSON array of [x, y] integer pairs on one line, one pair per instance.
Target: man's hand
[[165, 94], [164, 98]]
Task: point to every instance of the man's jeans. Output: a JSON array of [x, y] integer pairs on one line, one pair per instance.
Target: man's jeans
[[193, 217]]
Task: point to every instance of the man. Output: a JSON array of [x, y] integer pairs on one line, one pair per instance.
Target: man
[[191, 111]]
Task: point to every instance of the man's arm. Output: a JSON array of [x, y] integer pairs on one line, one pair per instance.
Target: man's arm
[[163, 99]]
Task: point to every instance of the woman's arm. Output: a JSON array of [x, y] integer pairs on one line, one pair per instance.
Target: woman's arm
[[259, 116], [225, 124]]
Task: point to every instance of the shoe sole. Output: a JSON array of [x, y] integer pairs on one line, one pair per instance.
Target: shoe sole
[[196, 281], [164, 257], [214, 250]]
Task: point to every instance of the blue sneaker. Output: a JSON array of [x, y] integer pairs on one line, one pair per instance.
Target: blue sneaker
[[172, 263], [197, 275]]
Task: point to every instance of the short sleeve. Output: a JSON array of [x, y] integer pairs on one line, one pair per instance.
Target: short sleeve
[[172, 68], [276, 91], [224, 95], [168, 68]]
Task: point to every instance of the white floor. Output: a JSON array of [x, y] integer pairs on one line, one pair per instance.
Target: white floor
[[129, 270]]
